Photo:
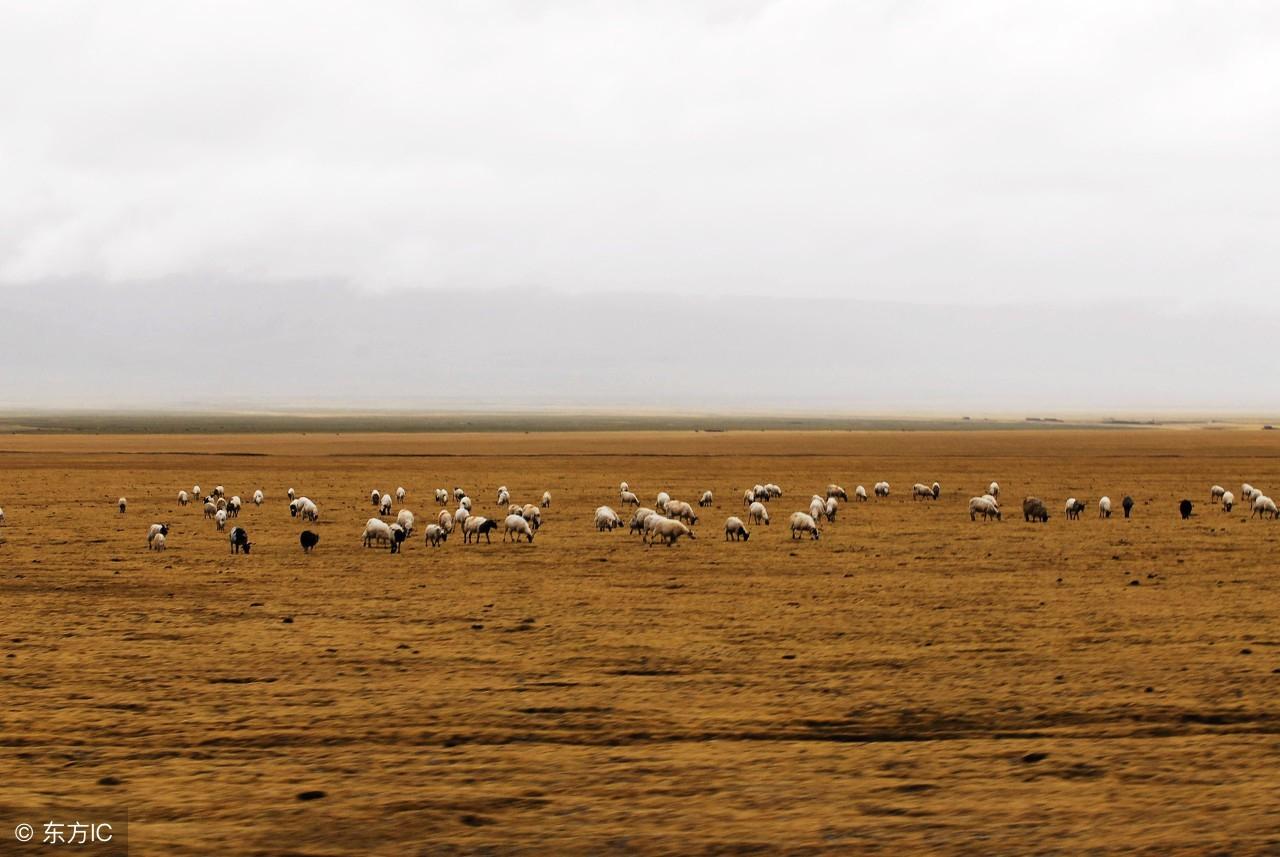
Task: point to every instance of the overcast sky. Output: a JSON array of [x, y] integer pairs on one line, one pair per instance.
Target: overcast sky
[[940, 153]]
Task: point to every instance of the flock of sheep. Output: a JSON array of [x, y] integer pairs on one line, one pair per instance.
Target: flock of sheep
[[668, 521]]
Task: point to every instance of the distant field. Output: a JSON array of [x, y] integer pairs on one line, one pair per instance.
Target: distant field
[[912, 682]]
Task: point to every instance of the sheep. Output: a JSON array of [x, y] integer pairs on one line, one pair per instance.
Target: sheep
[[834, 490], [1074, 507], [985, 507], [830, 511], [515, 509], [183, 498], [442, 496], [1228, 500], [533, 515], [405, 519], [860, 494], [436, 534], [401, 494], [994, 489], [307, 510], [375, 498], [641, 514], [607, 519], [221, 519], [445, 521], [758, 513], [546, 500], [221, 502], [1127, 503], [515, 526], [195, 492], [209, 509], [817, 507], [233, 507], [1246, 492], [123, 504], [1184, 509], [157, 543], [748, 497], [504, 496], [623, 487], [308, 540], [668, 530], [239, 540], [629, 499], [920, 491], [218, 490], [661, 502], [802, 523], [681, 511], [385, 506], [1104, 507], [881, 489], [460, 515], [772, 490], [1263, 506], [937, 490], [735, 530], [476, 526], [398, 535], [705, 499], [1033, 509], [1215, 493], [458, 493], [156, 530], [258, 497], [992, 499], [464, 502], [376, 530], [293, 495]]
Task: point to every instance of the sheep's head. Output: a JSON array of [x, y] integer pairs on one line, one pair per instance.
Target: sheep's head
[[745, 535], [246, 546]]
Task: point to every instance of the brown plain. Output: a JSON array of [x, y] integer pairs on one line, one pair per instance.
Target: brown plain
[[913, 682]]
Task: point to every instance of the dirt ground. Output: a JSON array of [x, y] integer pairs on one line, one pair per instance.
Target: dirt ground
[[912, 682]]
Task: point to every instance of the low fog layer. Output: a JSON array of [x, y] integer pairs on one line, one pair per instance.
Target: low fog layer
[[179, 344]]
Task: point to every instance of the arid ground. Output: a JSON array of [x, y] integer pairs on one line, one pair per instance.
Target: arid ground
[[912, 682]]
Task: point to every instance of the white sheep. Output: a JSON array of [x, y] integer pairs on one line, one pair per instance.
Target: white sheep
[[834, 490], [458, 492], [445, 521], [832, 507], [1228, 500], [1247, 492], [706, 499], [436, 534], [475, 526], [156, 530], [937, 490], [607, 519], [546, 499], [221, 502], [1104, 507], [1263, 506], [859, 494], [405, 519], [183, 498], [662, 500], [624, 488], [735, 530], [218, 491], [668, 530], [817, 507], [195, 492], [293, 495], [221, 519], [233, 506], [442, 496], [629, 499], [464, 502], [401, 494], [385, 506], [533, 515], [994, 489], [209, 509], [376, 530], [641, 514], [460, 515], [375, 498], [1215, 493], [304, 508], [515, 526], [772, 490], [123, 504], [157, 543], [1073, 508], [504, 496], [758, 513], [681, 511], [802, 523], [983, 506], [258, 497], [920, 491], [881, 489]]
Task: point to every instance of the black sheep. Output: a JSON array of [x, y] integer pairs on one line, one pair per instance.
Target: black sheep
[[1185, 509], [1127, 502], [239, 540], [308, 540]]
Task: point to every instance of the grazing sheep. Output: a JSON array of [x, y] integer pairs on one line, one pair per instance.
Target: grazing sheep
[[306, 509], [662, 500], [668, 530], [1263, 506], [1215, 493], [992, 498], [195, 492], [629, 499], [218, 490], [221, 519], [221, 502], [465, 503], [1074, 507], [400, 494], [758, 513], [641, 514], [157, 543], [546, 499], [405, 519], [533, 515], [984, 506], [375, 498], [772, 490], [705, 499], [376, 530], [1228, 500], [123, 504], [157, 530], [460, 516], [1247, 492], [994, 489], [735, 530], [258, 497], [607, 519], [881, 489], [476, 526], [802, 523], [836, 491], [515, 526], [209, 509], [183, 498], [860, 494], [1184, 509], [832, 507], [239, 540], [1104, 507], [817, 507], [920, 491], [504, 496], [233, 507], [398, 535], [385, 506], [515, 509], [624, 487], [293, 495], [442, 496], [458, 493], [445, 521], [436, 534], [308, 540], [1033, 509], [681, 511], [1127, 505], [748, 497]]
